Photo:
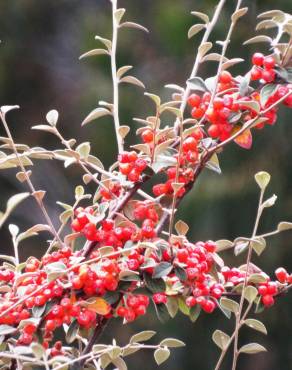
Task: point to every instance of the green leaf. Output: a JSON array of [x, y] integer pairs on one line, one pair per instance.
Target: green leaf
[[180, 273], [250, 293], [195, 313], [256, 325], [172, 306], [202, 16], [238, 14], [7, 329], [155, 98], [111, 297], [240, 248], [225, 312], [258, 244], [197, 84], [262, 178], [34, 230], [52, 117], [119, 363], [172, 343], [96, 113], [37, 311], [161, 355], [154, 285], [38, 350], [162, 312], [213, 164], [162, 269], [79, 191], [257, 278], [183, 307], [229, 304], [94, 52], [72, 332], [142, 336], [251, 105], [134, 25], [11, 204], [223, 244], [266, 92], [132, 80], [221, 339], [269, 202], [260, 38], [196, 28], [107, 43], [244, 85], [119, 13], [181, 227], [252, 348], [284, 226], [83, 150]]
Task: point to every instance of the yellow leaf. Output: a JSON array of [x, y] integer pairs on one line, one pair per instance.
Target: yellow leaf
[[244, 140], [100, 306]]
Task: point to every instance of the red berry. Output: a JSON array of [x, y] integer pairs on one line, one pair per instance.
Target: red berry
[[258, 59], [134, 175], [269, 62], [197, 113], [268, 300], [159, 298], [147, 136], [191, 301], [282, 275], [218, 103], [159, 189], [50, 325], [225, 77], [214, 131], [89, 231], [208, 306], [269, 75], [256, 74], [194, 100], [190, 143], [30, 329]]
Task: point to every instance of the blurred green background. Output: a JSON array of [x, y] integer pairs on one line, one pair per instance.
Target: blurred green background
[[40, 70]]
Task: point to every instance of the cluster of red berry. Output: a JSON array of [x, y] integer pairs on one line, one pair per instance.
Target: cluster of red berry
[[131, 165], [229, 108], [113, 190], [133, 306], [74, 295], [263, 68], [187, 159]]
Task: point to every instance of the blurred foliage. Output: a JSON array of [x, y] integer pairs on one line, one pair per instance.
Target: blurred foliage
[[40, 70]]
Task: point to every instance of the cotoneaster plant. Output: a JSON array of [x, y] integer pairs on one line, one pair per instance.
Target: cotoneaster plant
[[135, 253]]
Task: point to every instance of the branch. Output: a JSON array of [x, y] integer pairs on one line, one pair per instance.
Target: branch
[[115, 77], [28, 181], [198, 59]]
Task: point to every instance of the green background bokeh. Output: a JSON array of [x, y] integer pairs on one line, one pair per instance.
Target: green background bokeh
[[40, 70]]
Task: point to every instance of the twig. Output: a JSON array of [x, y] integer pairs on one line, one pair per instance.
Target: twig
[[115, 77], [198, 59], [28, 181]]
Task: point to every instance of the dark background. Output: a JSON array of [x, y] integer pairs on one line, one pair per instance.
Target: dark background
[[40, 70]]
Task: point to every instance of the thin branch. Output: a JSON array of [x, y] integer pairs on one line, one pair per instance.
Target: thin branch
[[198, 59], [248, 261], [28, 181], [115, 77]]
